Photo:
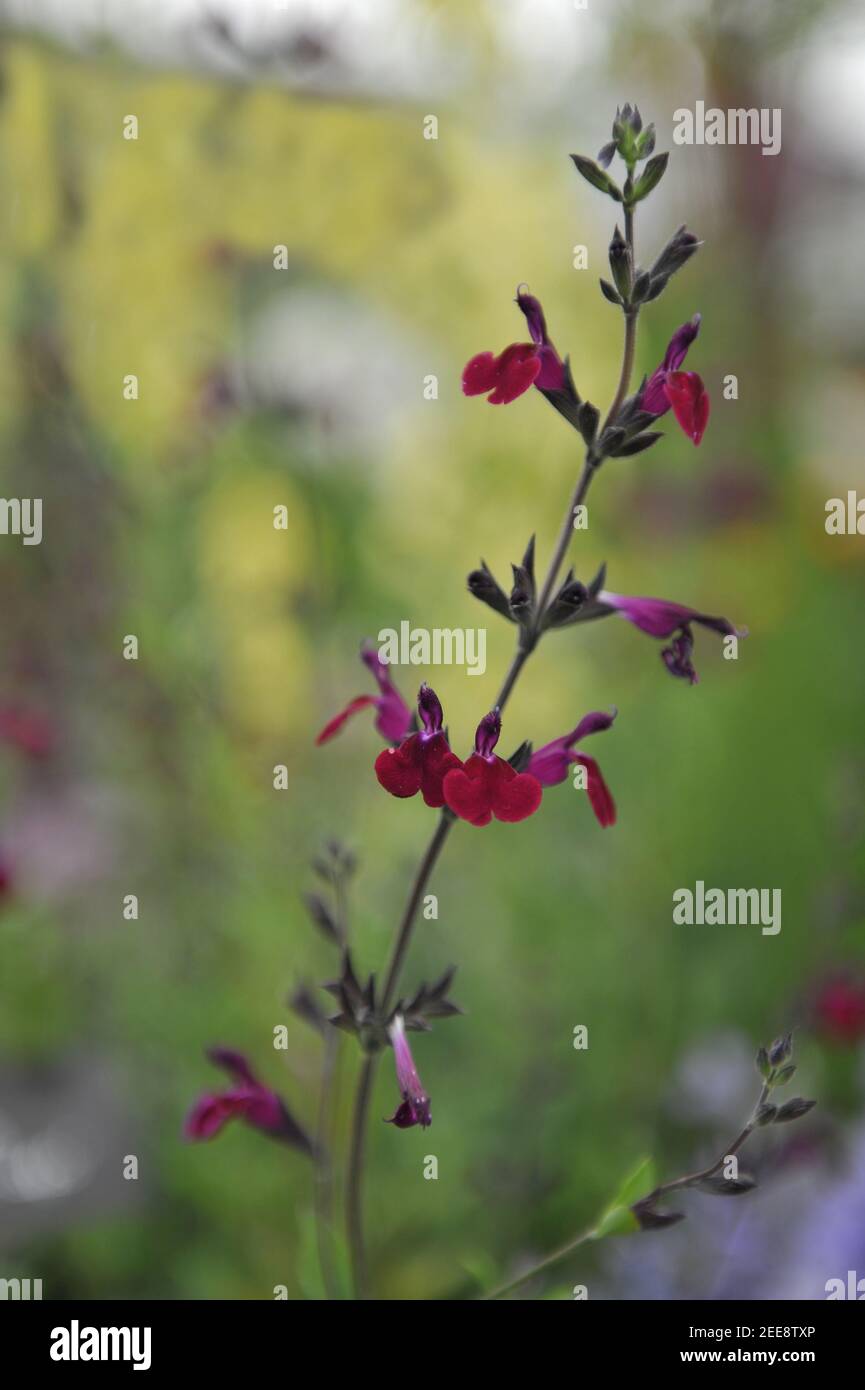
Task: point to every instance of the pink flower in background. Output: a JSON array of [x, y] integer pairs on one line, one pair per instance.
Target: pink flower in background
[[27, 731], [414, 1108], [839, 1009], [393, 716], [552, 764], [660, 618], [248, 1100], [504, 377]]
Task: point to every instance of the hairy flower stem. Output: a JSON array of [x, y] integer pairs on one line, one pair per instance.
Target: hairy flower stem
[[676, 1185], [527, 644]]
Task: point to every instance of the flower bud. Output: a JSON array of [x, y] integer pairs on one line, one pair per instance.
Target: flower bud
[[794, 1110], [781, 1049], [620, 264], [483, 584]]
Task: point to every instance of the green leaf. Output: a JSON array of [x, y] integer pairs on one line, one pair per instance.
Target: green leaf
[[617, 1219], [595, 175], [650, 177]]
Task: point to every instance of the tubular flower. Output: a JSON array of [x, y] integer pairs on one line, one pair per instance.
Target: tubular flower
[[414, 1108], [421, 761], [551, 764], [521, 365], [487, 786], [661, 618], [247, 1100], [393, 716], [683, 391]]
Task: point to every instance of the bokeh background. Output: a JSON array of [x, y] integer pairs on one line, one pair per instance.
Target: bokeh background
[[298, 125]]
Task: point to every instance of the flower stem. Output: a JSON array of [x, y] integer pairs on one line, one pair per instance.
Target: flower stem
[[403, 936], [326, 1126], [357, 1148], [564, 540], [324, 1166], [631, 315], [546, 1263], [354, 1215], [691, 1179], [687, 1180]]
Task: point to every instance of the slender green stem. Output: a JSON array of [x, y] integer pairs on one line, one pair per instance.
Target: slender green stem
[[564, 540], [631, 315], [676, 1185], [546, 1263], [357, 1150], [324, 1167], [404, 931], [691, 1179], [326, 1127]]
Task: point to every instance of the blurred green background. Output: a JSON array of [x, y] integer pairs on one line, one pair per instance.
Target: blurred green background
[[304, 386]]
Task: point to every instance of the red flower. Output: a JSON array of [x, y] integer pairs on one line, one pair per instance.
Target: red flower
[[687, 395], [420, 762], [246, 1100], [684, 391], [505, 377], [487, 786], [519, 366], [552, 763]]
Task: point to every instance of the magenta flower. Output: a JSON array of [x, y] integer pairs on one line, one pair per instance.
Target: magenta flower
[[504, 377], [393, 716], [420, 762], [487, 786], [839, 1008], [660, 618], [248, 1100], [27, 731], [414, 1108], [683, 391], [551, 764]]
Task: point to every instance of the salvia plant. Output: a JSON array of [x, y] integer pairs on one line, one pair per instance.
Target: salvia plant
[[377, 1011]]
